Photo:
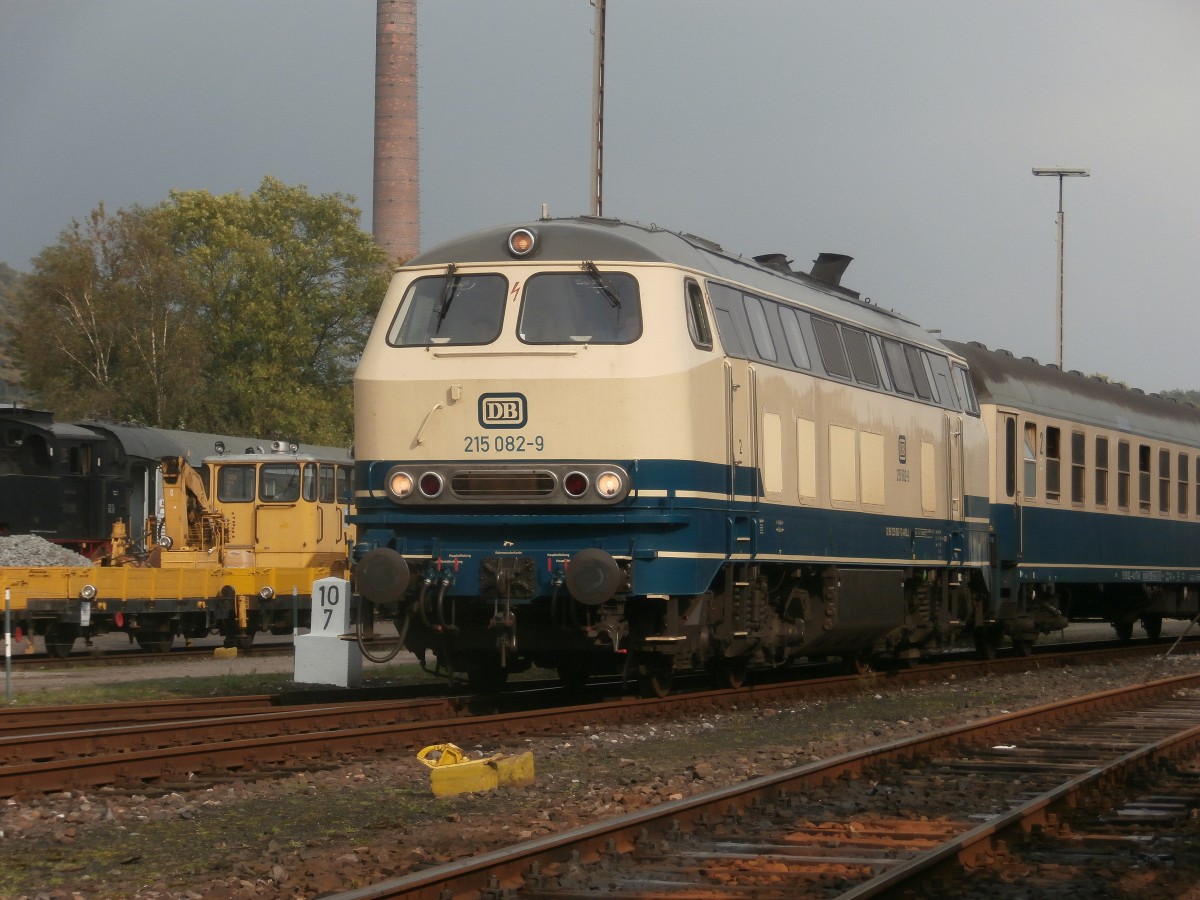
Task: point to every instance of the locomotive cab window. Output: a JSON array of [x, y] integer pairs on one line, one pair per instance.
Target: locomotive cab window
[[280, 483], [582, 307], [450, 309], [235, 484]]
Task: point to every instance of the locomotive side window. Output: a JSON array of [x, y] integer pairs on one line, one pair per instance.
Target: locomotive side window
[[794, 337], [1030, 460], [862, 361], [1102, 471], [829, 345], [1164, 481], [1184, 487], [698, 326], [920, 375], [590, 307], [880, 364], [731, 319], [1123, 474], [965, 391], [759, 330], [1078, 466], [280, 483], [943, 386], [1053, 463], [898, 365], [450, 309], [236, 484]]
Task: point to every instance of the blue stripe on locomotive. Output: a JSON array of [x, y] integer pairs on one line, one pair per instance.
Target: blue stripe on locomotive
[[678, 543]]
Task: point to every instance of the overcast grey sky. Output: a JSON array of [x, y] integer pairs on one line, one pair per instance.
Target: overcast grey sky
[[901, 133]]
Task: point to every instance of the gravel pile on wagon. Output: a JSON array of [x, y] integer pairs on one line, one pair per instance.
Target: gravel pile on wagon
[[30, 550]]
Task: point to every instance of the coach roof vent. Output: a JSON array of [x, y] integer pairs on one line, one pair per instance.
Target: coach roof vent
[[830, 267]]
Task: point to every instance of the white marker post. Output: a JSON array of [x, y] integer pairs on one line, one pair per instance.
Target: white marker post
[[322, 657]]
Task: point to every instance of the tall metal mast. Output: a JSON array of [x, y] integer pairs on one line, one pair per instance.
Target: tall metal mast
[[598, 112]]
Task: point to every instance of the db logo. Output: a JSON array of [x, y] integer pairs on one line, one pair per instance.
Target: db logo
[[502, 410]]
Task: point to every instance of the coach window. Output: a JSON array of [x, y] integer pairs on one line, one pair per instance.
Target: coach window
[[1030, 460], [760, 331], [829, 345], [862, 362], [236, 484], [1078, 470], [1144, 477], [1123, 473], [698, 326], [1102, 471], [1010, 456], [794, 336], [580, 307], [279, 483], [1184, 486], [1164, 481], [450, 309], [1197, 505], [1053, 463]]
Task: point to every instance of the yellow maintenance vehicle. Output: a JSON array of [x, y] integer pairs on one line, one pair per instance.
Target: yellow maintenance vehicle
[[232, 548]]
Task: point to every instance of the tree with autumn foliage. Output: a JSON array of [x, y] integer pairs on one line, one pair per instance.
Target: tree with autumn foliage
[[238, 313]]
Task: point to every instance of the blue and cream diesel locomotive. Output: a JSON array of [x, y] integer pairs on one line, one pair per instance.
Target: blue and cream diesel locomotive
[[594, 446]]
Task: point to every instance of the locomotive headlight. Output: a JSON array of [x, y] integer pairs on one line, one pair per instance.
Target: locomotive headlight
[[575, 484], [522, 242], [399, 484], [431, 484], [609, 485]]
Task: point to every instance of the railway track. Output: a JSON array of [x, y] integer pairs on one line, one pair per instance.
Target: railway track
[[175, 742], [988, 797]]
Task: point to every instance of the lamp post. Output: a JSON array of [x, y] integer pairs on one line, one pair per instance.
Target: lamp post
[[1060, 172]]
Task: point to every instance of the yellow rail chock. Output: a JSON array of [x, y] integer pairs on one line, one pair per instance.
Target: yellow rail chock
[[225, 653], [451, 772]]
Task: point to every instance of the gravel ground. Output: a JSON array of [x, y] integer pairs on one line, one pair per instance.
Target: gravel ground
[[342, 825]]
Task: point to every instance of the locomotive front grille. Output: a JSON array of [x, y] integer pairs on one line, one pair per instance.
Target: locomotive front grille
[[503, 485]]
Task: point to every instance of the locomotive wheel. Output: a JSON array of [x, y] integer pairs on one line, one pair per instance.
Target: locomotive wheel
[[488, 678], [574, 678], [1124, 630], [655, 682], [730, 672], [1022, 646], [1153, 626], [60, 639]]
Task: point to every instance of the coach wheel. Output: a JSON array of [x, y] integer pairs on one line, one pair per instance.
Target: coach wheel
[[1153, 626], [60, 639], [985, 643], [1124, 631], [1022, 647]]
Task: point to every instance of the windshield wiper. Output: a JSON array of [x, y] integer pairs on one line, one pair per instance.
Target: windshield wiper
[[449, 289], [605, 287]]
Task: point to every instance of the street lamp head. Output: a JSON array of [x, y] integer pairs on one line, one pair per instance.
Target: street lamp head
[[1060, 171]]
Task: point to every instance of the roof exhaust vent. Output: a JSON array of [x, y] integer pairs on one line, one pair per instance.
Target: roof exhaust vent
[[777, 262], [829, 267]]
